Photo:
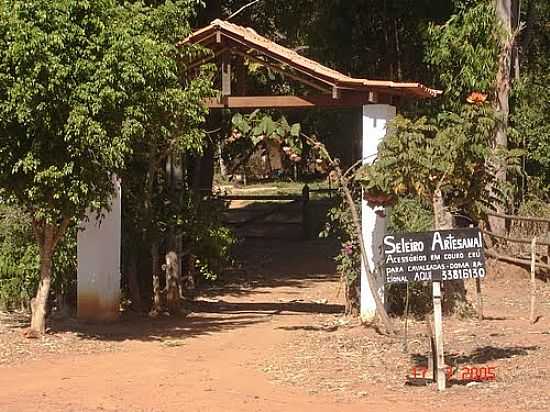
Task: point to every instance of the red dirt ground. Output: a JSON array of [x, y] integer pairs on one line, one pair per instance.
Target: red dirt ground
[[272, 339]]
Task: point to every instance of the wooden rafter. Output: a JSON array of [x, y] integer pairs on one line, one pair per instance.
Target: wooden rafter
[[284, 61], [284, 72], [206, 59]]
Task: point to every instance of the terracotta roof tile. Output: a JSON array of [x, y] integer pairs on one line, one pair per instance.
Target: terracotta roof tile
[[250, 39]]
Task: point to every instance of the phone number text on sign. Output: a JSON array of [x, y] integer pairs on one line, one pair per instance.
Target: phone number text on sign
[[441, 255]]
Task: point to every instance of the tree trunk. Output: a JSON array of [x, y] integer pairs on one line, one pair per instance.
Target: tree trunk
[[173, 282], [504, 13], [381, 311], [40, 301], [527, 33], [155, 257], [352, 296], [454, 296], [223, 166], [133, 283], [514, 24], [191, 283], [47, 236], [443, 218], [399, 70]]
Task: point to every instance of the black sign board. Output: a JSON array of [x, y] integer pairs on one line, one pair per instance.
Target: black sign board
[[440, 255]]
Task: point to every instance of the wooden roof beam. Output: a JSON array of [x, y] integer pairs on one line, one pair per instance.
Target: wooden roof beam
[[286, 102]]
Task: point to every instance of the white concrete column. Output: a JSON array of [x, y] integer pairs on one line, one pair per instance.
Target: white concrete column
[[98, 270], [375, 118]]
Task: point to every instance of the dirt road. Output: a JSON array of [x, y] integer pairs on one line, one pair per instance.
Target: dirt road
[[220, 357]]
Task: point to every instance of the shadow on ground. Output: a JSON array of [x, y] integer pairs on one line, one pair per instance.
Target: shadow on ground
[[273, 263], [266, 264], [206, 318], [271, 308], [143, 328], [480, 355]]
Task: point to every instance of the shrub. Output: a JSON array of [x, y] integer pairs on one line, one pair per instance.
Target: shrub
[[19, 261], [410, 215]]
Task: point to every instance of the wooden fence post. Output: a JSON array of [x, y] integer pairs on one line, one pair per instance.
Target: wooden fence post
[[479, 296], [438, 331], [533, 280], [479, 299], [548, 247], [305, 218], [432, 358]]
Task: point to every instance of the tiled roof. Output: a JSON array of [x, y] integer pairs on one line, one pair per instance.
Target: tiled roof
[[249, 39]]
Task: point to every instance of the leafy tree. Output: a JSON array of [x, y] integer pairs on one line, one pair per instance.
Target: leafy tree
[[471, 52], [153, 201], [442, 163], [75, 81], [340, 225], [530, 119], [464, 52], [530, 106]]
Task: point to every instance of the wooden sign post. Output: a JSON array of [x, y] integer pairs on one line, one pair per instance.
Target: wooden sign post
[[439, 364], [438, 256]]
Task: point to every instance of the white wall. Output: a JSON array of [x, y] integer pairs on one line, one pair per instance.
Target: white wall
[[375, 118], [98, 271]]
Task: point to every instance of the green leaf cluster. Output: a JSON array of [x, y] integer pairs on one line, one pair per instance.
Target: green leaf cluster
[[448, 153], [464, 52], [19, 261]]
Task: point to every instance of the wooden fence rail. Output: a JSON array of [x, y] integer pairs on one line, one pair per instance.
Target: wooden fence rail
[[533, 219], [539, 230], [541, 241], [512, 259], [514, 240]]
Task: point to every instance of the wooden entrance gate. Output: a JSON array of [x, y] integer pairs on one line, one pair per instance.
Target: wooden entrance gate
[[267, 215]]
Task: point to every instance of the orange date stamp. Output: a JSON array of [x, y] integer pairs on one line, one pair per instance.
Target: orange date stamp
[[467, 373]]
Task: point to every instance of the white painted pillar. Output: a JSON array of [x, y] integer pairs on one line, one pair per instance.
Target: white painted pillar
[[98, 270], [375, 118]]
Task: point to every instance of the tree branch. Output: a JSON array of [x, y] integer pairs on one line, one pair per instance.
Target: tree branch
[[358, 232], [242, 8]]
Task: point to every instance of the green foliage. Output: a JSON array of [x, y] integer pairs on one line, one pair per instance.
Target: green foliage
[[348, 261], [464, 52], [531, 120], [199, 223], [259, 127], [212, 242], [65, 85], [89, 90], [406, 161], [65, 266], [81, 85], [448, 153], [409, 215], [256, 131], [153, 201], [340, 225], [19, 261], [534, 207]]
